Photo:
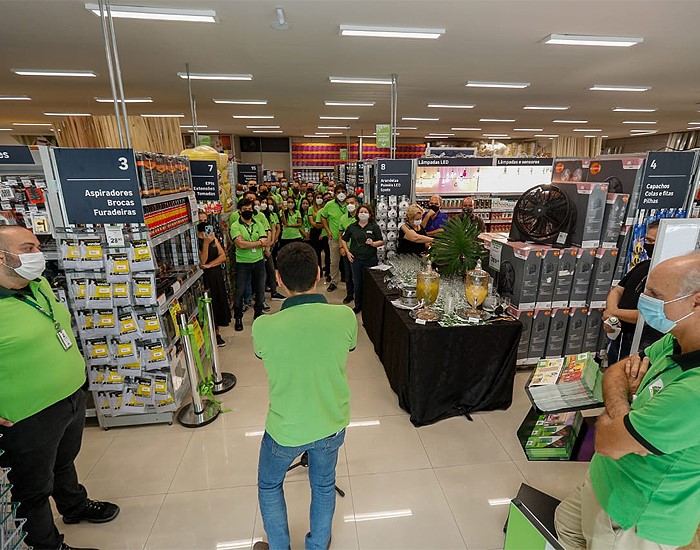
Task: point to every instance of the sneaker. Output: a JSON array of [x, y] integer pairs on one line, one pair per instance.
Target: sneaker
[[239, 325], [220, 342], [356, 310], [266, 307], [261, 545], [277, 296], [331, 287], [95, 511], [64, 546], [348, 299]]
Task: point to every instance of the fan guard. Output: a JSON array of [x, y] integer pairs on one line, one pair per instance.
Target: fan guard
[[541, 214]]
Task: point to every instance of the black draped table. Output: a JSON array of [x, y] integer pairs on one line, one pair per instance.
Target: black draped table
[[439, 372]]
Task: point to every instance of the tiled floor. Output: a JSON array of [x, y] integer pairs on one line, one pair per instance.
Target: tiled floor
[[406, 488]]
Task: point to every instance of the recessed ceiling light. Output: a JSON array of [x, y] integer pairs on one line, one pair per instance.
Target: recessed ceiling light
[[212, 76], [330, 133], [67, 114], [241, 101], [15, 98], [630, 110], [527, 129], [479, 84], [315, 135], [604, 136], [496, 120], [643, 132], [159, 14], [547, 135], [434, 136], [253, 116], [333, 127], [367, 137], [440, 134], [204, 132], [180, 115], [691, 123], [267, 131], [339, 117], [608, 88], [467, 129], [450, 106], [390, 32], [417, 118], [562, 121], [349, 103], [52, 72], [358, 80], [495, 135], [639, 122], [584, 40], [264, 127], [546, 108], [31, 124], [127, 100], [191, 126], [5, 129], [407, 127], [587, 130], [591, 136]]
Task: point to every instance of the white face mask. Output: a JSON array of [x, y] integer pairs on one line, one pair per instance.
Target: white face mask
[[351, 207], [416, 223], [341, 196], [364, 216], [32, 265], [257, 208], [290, 206], [319, 201], [271, 207], [284, 192]]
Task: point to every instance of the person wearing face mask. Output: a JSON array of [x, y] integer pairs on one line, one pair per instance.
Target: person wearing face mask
[[296, 194], [345, 221], [318, 238], [642, 487], [253, 187], [273, 192], [434, 220], [468, 211], [263, 192], [42, 396], [323, 186], [305, 210], [412, 236], [330, 218], [622, 304], [284, 191], [291, 224]]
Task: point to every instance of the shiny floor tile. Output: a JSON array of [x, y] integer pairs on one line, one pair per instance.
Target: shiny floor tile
[[91, 450], [373, 397], [558, 479]]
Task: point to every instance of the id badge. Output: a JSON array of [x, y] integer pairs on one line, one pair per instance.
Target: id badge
[[253, 250], [64, 339]]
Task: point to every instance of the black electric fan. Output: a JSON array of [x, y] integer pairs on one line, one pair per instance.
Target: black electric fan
[[543, 215]]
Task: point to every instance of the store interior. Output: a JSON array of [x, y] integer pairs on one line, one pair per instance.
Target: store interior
[[550, 117]]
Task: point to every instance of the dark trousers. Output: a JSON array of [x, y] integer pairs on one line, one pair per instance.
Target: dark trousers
[[349, 285], [41, 451], [254, 275], [270, 279], [358, 270], [323, 245]]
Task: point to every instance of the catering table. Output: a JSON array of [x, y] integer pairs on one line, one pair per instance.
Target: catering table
[[439, 372]]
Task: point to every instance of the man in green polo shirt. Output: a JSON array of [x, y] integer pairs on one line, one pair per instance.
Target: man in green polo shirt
[[309, 396], [345, 221], [643, 485], [330, 218], [42, 401]]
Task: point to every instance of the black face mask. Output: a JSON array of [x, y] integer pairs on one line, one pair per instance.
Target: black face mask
[[468, 211], [649, 248], [295, 191], [201, 226], [247, 215], [253, 189], [263, 194], [434, 207]]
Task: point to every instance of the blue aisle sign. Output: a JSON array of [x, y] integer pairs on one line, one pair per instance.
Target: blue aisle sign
[[394, 177], [99, 186], [668, 178], [15, 154], [205, 180]]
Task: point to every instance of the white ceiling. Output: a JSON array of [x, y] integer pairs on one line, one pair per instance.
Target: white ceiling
[[489, 40]]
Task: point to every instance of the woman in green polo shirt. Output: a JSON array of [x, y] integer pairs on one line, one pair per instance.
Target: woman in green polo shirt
[[305, 223], [291, 223]]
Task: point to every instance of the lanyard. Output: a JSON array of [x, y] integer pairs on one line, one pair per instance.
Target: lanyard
[[250, 228], [50, 314]]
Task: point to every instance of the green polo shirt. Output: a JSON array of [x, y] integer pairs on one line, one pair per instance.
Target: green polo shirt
[[305, 222], [35, 370], [309, 392], [292, 232], [276, 197], [659, 494], [333, 212], [251, 233], [346, 220], [321, 188], [317, 218], [258, 217]]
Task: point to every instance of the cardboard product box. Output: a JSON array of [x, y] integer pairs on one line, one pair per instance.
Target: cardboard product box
[[615, 215], [548, 276], [525, 317], [518, 272], [567, 170], [594, 326], [589, 201], [623, 174], [538, 334], [565, 277], [601, 280], [558, 323], [487, 238], [578, 316], [585, 260]]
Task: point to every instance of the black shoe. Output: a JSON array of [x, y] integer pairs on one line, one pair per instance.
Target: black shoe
[[266, 307], [220, 342], [238, 327], [277, 296], [348, 299], [95, 511], [246, 307], [331, 287], [357, 310], [64, 546], [328, 278]]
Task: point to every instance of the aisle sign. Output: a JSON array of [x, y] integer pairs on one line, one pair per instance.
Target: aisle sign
[[667, 180], [205, 180], [524, 161], [15, 154], [383, 140], [247, 172], [343, 154], [99, 185], [394, 177]]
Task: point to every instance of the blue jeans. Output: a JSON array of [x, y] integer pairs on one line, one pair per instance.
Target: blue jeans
[[272, 468], [358, 272]]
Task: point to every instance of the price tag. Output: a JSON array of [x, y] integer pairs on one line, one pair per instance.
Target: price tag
[[193, 209], [420, 321], [115, 236]]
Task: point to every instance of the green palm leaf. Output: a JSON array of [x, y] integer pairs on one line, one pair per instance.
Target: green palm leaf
[[456, 250]]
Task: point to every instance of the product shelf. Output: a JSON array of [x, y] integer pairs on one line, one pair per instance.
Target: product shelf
[[166, 236], [147, 201], [165, 303]]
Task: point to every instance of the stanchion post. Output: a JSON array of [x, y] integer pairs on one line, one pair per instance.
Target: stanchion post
[[223, 381]]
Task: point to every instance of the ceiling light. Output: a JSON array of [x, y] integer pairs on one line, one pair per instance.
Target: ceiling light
[[280, 23], [127, 100], [584, 40], [643, 131], [639, 122], [315, 135], [253, 116], [628, 110], [180, 115], [267, 131], [547, 135], [545, 108], [607, 88], [449, 106], [212, 76], [562, 121], [467, 129], [241, 101], [590, 136], [496, 120], [691, 123], [354, 80], [528, 129], [5, 129], [270, 127], [330, 133], [349, 103], [406, 127], [67, 114], [440, 134], [31, 124], [604, 136], [367, 137], [420, 118], [434, 136], [333, 127], [495, 135], [339, 117], [191, 126], [15, 98], [159, 14], [204, 132], [390, 32], [51, 72], [587, 130], [478, 84]]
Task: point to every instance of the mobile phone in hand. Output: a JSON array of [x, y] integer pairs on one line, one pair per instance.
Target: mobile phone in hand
[[208, 230]]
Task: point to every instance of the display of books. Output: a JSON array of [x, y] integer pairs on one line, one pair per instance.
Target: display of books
[[570, 382], [554, 436]]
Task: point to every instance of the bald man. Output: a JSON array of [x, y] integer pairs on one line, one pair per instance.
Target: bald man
[[468, 211], [643, 485], [434, 220]]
